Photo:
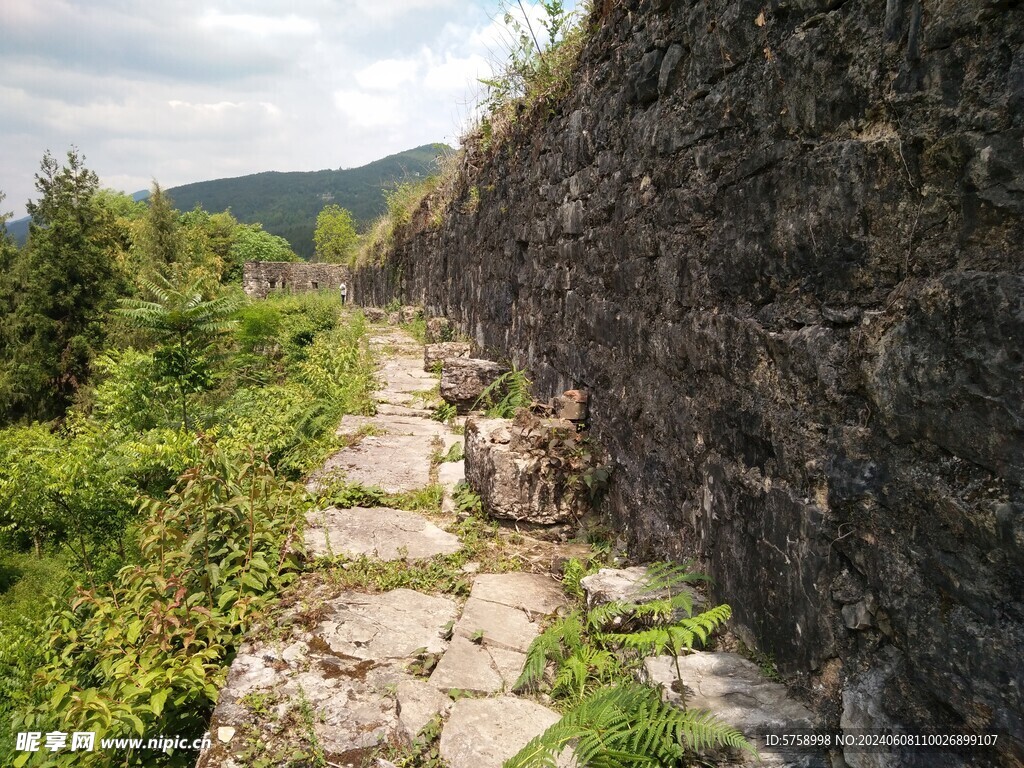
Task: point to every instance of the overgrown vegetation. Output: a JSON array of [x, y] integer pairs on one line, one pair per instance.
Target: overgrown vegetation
[[147, 653], [589, 661], [538, 70], [154, 513]]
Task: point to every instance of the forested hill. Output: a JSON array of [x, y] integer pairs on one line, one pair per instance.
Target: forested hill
[[287, 204]]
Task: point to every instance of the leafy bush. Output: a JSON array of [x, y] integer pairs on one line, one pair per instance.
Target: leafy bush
[[149, 653], [130, 395]]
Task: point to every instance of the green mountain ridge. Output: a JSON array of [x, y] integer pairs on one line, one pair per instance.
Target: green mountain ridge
[[287, 203]]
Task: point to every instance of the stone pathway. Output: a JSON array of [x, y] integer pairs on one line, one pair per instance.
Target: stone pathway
[[342, 671], [339, 671]]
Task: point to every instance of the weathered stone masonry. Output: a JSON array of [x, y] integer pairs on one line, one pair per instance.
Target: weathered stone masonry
[[261, 277], [785, 259]]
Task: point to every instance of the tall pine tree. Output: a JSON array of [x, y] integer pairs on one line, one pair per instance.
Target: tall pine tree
[[63, 283]]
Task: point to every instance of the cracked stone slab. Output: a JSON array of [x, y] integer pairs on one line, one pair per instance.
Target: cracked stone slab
[[395, 463], [501, 625], [477, 668], [388, 625], [484, 733], [342, 671], [533, 592], [736, 691], [352, 712], [388, 534]]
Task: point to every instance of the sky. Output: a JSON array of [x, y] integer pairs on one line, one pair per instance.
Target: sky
[[188, 90]]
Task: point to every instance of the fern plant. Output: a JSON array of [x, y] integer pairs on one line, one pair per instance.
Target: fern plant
[[614, 720], [505, 395], [628, 725]]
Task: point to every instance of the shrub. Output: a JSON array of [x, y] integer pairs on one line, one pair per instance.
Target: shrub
[[149, 653]]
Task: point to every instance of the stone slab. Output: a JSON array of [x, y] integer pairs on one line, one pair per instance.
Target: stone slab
[[736, 691], [401, 421], [387, 534], [450, 474], [342, 670], [417, 702], [533, 592], [502, 625], [388, 625], [477, 668], [395, 463], [484, 733]]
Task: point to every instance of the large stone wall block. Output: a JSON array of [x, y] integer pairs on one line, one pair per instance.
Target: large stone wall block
[[463, 380], [433, 354], [439, 329], [509, 467]]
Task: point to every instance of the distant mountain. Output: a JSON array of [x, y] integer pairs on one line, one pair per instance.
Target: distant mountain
[[287, 204], [18, 229]]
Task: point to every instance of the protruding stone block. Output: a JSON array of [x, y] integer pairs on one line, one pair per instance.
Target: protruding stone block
[[409, 314], [463, 380], [572, 405], [375, 314], [439, 330], [510, 467], [438, 353]]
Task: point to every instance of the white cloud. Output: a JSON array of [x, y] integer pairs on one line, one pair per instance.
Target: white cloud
[[455, 73], [182, 91], [258, 26], [369, 110], [387, 74]]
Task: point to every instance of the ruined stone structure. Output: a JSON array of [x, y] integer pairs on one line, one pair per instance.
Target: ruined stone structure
[[780, 246], [263, 277]]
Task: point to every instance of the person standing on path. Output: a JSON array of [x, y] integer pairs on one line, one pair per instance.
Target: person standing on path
[[344, 293]]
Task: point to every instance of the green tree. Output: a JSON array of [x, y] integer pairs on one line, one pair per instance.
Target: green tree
[[159, 237], [335, 236], [207, 240], [253, 243], [184, 324], [61, 286]]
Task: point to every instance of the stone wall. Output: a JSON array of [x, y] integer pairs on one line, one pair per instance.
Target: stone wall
[[261, 277], [781, 246]]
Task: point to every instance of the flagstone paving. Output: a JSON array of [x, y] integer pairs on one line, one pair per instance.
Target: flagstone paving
[[341, 665]]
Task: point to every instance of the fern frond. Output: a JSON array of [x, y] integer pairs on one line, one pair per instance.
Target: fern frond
[[628, 724], [602, 615], [548, 646], [703, 624], [668, 576]]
